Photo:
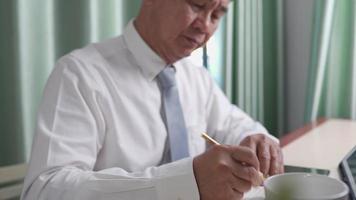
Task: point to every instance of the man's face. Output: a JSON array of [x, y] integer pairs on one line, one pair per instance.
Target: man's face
[[181, 26]]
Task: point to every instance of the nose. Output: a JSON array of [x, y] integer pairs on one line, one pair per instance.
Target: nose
[[203, 23]]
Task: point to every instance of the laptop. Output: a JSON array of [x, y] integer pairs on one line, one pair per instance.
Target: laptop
[[347, 169]]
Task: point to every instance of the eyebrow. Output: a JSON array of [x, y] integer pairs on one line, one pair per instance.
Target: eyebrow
[[222, 9]]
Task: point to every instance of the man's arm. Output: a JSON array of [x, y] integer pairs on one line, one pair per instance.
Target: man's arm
[[230, 125], [227, 123], [171, 181], [70, 136]]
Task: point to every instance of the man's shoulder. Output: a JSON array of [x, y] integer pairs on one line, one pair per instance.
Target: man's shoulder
[[95, 57], [99, 52], [91, 61]]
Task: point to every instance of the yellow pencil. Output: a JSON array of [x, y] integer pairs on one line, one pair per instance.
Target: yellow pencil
[[209, 139], [212, 141]]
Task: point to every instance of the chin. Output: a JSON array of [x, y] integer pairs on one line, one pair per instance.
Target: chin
[[187, 52]]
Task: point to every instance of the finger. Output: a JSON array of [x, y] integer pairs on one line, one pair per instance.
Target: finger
[[247, 173], [245, 155], [281, 161], [237, 195], [249, 142], [263, 154], [239, 184], [275, 163]]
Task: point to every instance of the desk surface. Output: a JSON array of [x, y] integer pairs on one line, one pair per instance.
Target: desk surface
[[322, 144]]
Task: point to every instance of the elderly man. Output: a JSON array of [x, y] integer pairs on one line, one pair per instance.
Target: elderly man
[[122, 119]]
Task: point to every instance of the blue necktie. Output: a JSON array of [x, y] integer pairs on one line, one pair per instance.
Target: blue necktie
[[173, 115]]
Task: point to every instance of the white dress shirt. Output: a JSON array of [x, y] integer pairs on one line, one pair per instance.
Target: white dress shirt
[[100, 134]]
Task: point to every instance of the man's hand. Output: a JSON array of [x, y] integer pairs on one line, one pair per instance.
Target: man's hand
[[268, 152], [226, 172]]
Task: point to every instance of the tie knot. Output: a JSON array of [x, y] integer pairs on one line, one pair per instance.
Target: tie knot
[[166, 77]]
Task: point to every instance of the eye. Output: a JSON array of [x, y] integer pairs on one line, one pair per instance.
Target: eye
[[197, 7], [215, 16]]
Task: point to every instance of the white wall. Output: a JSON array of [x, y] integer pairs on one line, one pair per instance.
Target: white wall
[[298, 28]]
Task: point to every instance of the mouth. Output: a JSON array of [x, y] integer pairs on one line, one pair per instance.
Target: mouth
[[193, 41]]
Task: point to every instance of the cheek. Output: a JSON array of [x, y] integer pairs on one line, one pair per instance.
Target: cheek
[[208, 36], [178, 27], [213, 28], [186, 18], [186, 23], [210, 32], [189, 15]]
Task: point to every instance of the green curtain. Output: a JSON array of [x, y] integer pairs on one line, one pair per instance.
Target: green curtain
[[332, 71], [34, 34], [251, 66]]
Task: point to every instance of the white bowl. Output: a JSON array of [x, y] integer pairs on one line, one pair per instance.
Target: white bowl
[[304, 186]]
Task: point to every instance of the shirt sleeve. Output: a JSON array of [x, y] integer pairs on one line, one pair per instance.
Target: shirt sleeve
[[227, 123], [69, 136]]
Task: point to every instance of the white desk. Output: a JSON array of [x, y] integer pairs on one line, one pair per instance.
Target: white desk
[[321, 145]]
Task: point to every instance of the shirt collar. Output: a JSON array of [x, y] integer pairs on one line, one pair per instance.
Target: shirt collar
[[150, 63]]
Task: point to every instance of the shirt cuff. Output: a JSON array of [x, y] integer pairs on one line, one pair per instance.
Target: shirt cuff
[[177, 181]]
